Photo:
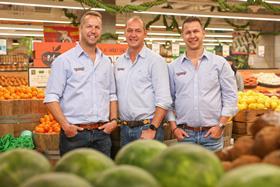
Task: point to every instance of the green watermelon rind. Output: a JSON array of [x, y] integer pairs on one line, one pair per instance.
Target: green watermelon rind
[[126, 176], [84, 162], [18, 165], [139, 153], [187, 165], [58, 179], [253, 175]]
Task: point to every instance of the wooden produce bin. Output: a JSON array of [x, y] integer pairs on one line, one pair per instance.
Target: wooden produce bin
[[19, 115], [243, 120], [228, 134]]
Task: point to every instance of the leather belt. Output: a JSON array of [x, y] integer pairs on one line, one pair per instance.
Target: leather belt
[[91, 126], [136, 123], [196, 129]]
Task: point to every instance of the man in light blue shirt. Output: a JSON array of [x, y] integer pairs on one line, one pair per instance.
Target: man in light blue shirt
[[81, 92], [142, 87], [203, 89]]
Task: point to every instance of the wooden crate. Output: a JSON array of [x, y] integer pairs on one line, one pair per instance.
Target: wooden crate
[[19, 115], [243, 121], [248, 115], [45, 142]]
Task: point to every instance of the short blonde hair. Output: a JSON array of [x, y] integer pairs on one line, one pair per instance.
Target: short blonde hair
[[91, 13]]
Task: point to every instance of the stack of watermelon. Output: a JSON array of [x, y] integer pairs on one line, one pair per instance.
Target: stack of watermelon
[[143, 163]]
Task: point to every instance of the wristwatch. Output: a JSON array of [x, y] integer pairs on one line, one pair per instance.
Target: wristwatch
[[116, 119], [222, 126], [153, 127]]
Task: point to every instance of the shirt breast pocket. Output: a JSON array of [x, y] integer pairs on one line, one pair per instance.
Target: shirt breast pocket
[[141, 76]]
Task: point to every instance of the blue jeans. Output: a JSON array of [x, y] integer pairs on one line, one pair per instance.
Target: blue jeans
[[129, 134], [96, 139], [197, 137]]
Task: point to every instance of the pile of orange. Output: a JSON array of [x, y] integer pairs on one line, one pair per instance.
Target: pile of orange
[[12, 81], [47, 125], [20, 92]]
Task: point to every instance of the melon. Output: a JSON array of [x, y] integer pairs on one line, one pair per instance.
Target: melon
[[18, 165], [139, 153], [187, 165], [56, 180], [126, 176], [84, 162], [255, 175]]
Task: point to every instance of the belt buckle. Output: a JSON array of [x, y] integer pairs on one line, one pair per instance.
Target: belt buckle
[[146, 121]]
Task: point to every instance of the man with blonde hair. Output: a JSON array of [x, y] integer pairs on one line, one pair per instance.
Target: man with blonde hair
[[81, 91]]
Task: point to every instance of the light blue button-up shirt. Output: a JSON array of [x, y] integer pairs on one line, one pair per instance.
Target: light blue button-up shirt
[[84, 89], [201, 96], [142, 85]]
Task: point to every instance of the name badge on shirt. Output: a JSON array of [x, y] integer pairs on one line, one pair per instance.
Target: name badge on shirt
[[181, 73], [120, 69], [79, 69]]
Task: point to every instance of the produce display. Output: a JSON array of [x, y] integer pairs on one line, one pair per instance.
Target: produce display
[[47, 125], [250, 82], [268, 79], [177, 165], [263, 146], [12, 81], [251, 100], [20, 92]]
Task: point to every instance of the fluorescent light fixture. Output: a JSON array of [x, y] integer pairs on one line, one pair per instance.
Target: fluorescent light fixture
[[33, 20], [218, 36], [218, 29], [21, 28], [212, 15], [21, 34], [271, 2], [49, 6], [217, 40]]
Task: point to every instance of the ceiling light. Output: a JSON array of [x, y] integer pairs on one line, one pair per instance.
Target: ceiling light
[[271, 2], [21, 34], [214, 15], [219, 29], [49, 6], [21, 28], [34, 20]]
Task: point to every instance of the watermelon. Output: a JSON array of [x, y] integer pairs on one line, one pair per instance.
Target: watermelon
[[254, 175], [56, 180], [139, 153], [84, 162], [18, 165], [187, 165], [126, 176]]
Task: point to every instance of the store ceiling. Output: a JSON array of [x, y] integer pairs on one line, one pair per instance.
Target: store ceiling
[[38, 12]]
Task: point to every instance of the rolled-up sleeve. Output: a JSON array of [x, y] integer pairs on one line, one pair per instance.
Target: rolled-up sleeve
[[170, 115], [56, 82], [113, 91], [160, 82], [229, 91]]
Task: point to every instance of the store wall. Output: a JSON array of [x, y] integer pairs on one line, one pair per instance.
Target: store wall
[[268, 60], [277, 51]]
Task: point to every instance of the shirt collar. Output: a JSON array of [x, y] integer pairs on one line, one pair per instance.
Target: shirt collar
[[80, 51], [205, 54], [142, 53]]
